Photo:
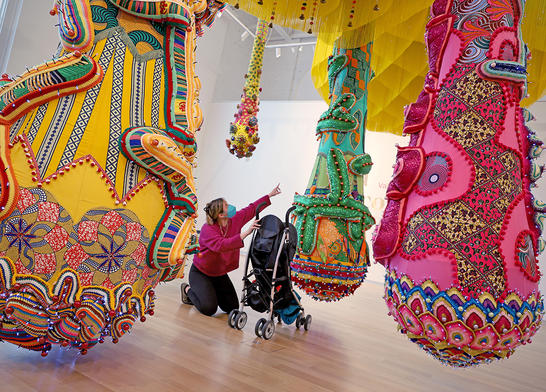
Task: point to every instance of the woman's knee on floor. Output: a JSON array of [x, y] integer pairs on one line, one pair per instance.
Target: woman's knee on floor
[[208, 308], [228, 305]]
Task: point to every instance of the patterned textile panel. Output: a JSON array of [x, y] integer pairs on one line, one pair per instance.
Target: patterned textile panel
[[460, 218], [139, 103]]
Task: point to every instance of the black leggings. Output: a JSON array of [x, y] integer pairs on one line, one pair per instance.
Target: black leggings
[[208, 292]]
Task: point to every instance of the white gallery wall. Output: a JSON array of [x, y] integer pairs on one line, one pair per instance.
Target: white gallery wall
[[289, 112], [36, 37]]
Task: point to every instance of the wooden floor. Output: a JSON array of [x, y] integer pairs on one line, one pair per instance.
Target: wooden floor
[[352, 346]]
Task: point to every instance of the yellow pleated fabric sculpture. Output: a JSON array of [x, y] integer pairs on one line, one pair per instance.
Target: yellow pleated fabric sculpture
[[397, 30]]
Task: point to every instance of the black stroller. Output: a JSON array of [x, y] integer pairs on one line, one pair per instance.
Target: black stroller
[[268, 287]]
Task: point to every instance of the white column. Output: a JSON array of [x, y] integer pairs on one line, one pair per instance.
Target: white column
[[10, 10]]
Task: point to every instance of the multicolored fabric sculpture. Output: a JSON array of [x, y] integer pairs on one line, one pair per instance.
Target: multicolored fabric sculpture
[[332, 257], [460, 233], [244, 130], [97, 201]]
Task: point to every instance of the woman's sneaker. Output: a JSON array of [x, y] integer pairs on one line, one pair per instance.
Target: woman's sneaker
[[185, 299]]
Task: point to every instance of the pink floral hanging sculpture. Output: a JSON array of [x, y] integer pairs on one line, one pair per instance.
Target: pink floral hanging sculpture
[[460, 233]]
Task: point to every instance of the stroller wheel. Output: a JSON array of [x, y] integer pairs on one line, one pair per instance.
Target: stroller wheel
[[307, 322], [268, 329], [240, 320], [300, 320], [231, 318], [258, 328]]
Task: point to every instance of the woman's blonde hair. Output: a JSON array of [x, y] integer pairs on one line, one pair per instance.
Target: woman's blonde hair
[[213, 209]]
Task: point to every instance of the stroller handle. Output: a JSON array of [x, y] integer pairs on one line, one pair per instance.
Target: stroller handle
[[259, 208], [288, 215]]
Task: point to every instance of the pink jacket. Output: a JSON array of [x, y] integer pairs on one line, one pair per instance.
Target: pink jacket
[[219, 253]]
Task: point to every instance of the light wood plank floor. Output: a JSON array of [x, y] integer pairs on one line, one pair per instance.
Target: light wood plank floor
[[352, 346]]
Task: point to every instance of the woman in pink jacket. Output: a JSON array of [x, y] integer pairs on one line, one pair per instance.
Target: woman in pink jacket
[[220, 242]]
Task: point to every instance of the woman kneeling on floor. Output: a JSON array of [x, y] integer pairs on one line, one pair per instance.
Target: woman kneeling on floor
[[220, 243]]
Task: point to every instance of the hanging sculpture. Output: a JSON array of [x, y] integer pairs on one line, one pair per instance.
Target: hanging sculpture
[[96, 149], [460, 233], [244, 130], [332, 257]]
